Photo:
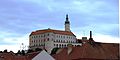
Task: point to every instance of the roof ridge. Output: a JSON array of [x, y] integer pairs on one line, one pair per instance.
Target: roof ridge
[[52, 30]]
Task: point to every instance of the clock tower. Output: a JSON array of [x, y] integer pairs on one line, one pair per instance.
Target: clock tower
[[67, 23]]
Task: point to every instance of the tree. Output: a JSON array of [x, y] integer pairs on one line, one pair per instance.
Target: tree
[[19, 52], [5, 51], [38, 49], [30, 50], [11, 52], [54, 50], [23, 52], [0, 51]]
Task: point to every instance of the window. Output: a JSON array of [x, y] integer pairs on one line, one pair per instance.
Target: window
[[48, 39], [59, 40], [56, 44], [41, 35], [34, 41], [39, 40], [64, 41], [48, 35], [63, 36], [62, 45], [59, 45]]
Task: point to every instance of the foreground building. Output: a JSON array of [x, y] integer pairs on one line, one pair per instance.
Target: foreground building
[[50, 38], [40, 55], [89, 50]]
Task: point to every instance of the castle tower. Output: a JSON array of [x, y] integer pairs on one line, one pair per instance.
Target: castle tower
[[67, 23]]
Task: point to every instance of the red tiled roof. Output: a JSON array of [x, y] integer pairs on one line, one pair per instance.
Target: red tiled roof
[[100, 51], [32, 55], [12, 56], [53, 31]]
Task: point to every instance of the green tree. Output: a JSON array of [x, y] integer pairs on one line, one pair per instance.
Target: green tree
[[19, 52], [5, 51], [54, 50], [23, 52], [30, 50], [38, 49]]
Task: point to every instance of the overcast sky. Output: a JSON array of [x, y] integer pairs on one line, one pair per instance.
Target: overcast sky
[[18, 18]]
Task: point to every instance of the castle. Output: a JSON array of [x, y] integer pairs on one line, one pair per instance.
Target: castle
[[50, 38]]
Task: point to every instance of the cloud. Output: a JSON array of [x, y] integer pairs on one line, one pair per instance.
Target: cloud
[[19, 18], [14, 43], [107, 29], [106, 38]]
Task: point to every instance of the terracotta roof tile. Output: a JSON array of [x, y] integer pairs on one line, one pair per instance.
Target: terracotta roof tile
[[100, 51], [53, 31], [10, 56]]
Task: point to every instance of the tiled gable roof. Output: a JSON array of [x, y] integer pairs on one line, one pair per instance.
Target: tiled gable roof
[[53, 31], [87, 51]]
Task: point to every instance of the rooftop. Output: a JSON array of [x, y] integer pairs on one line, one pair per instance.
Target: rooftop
[[89, 51], [53, 31]]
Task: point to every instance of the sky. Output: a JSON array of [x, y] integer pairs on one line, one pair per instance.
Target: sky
[[18, 18]]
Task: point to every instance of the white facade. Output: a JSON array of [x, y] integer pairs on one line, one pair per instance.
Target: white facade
[[51, 40]]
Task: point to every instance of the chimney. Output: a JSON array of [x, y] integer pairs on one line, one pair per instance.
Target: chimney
[[90, 36], [69, 48]]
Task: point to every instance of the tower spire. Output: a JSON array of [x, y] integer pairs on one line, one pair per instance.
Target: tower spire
[[67, 23], [67, 17]]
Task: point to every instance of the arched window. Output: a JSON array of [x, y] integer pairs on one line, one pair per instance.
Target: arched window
[[57, 45], [64, 45], [60, 45]]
